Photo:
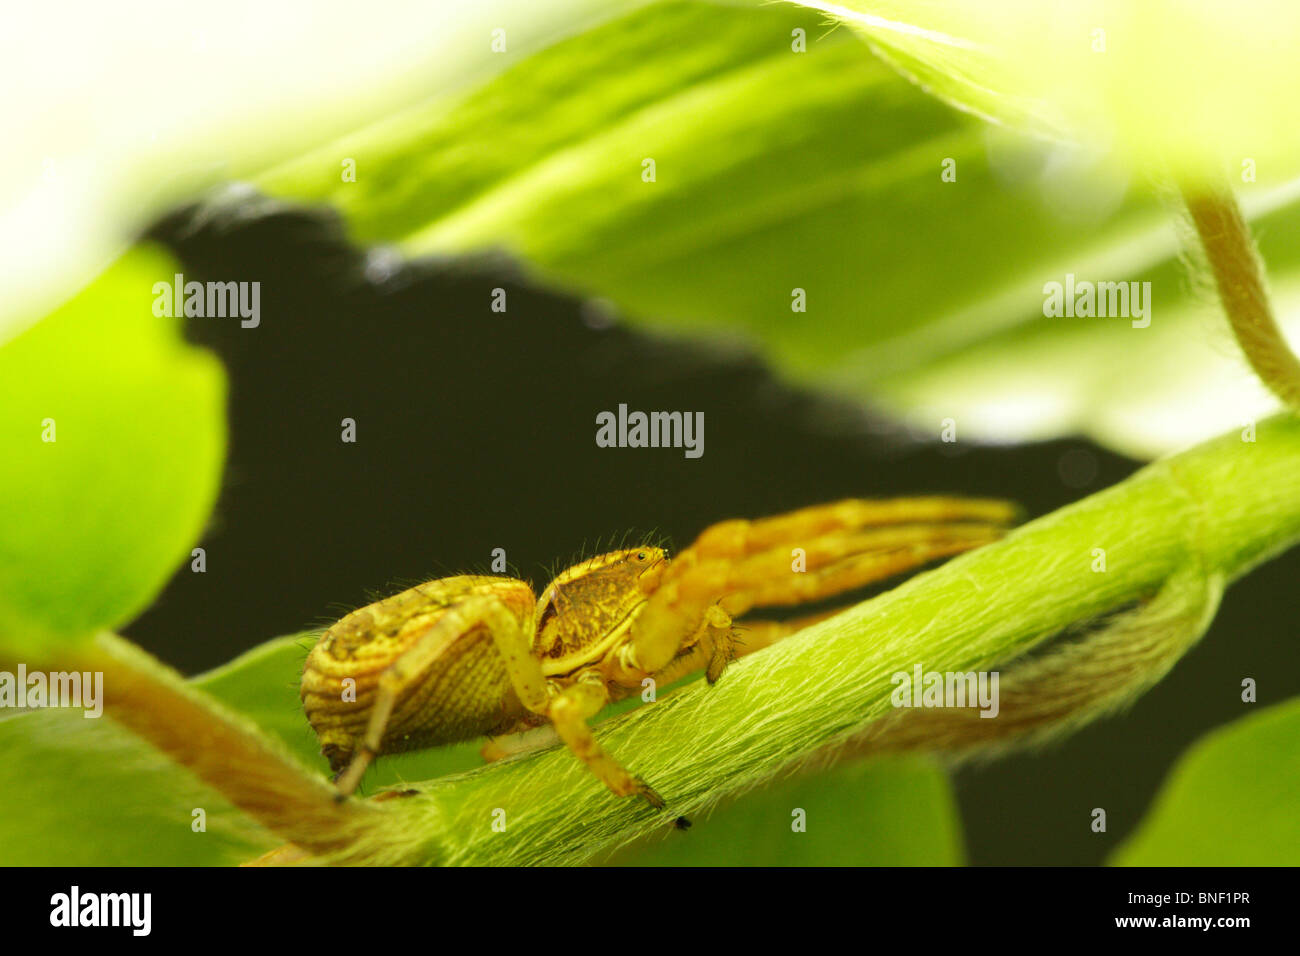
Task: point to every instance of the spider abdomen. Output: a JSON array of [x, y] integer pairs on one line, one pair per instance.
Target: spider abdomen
[[462, 693]]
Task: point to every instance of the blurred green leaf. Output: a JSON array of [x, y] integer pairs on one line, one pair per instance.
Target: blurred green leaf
[[78, 792], [821, 171], [1141, 391], [1162, 83], [1231, 800], [99, 148], [895, 812], [96, 519], [129, 804]]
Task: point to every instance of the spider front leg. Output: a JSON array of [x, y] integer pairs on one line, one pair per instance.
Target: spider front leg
[[512, 642], [802, 556], [712, 649], [740, 537], [844, 561]]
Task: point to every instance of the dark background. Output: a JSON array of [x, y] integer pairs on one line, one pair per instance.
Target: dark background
[[476, 430]]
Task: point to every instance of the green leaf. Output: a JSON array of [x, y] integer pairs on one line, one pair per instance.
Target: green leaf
[[819, 171], [1230, 801], [113, 431], [79, 792], [1142, 391], [778, 170], [891, 812], [81, 173], [1161, 83], [824, 167], [97, 795]]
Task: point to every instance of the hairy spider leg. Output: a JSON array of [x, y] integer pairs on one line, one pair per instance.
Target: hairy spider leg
[[512, 642], [844, 561], [570, 711], [741, 564]]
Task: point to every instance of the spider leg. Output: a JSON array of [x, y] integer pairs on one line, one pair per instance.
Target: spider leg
[[740, 537], [713, 648], [843, 561], [795, 558], [518, 742], [511, 640], [569, 712]]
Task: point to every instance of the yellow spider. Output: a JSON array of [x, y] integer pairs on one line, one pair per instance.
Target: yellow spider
[[469, 656]]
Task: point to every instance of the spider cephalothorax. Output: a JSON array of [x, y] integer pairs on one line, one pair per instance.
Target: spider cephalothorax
[[474, 655], [589, 605]]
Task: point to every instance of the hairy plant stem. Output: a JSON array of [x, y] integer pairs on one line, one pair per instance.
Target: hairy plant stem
[[1239, 277], [225, 750]]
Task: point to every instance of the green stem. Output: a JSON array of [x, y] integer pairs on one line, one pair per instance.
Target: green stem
[[226, 751], [1239, 276]]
